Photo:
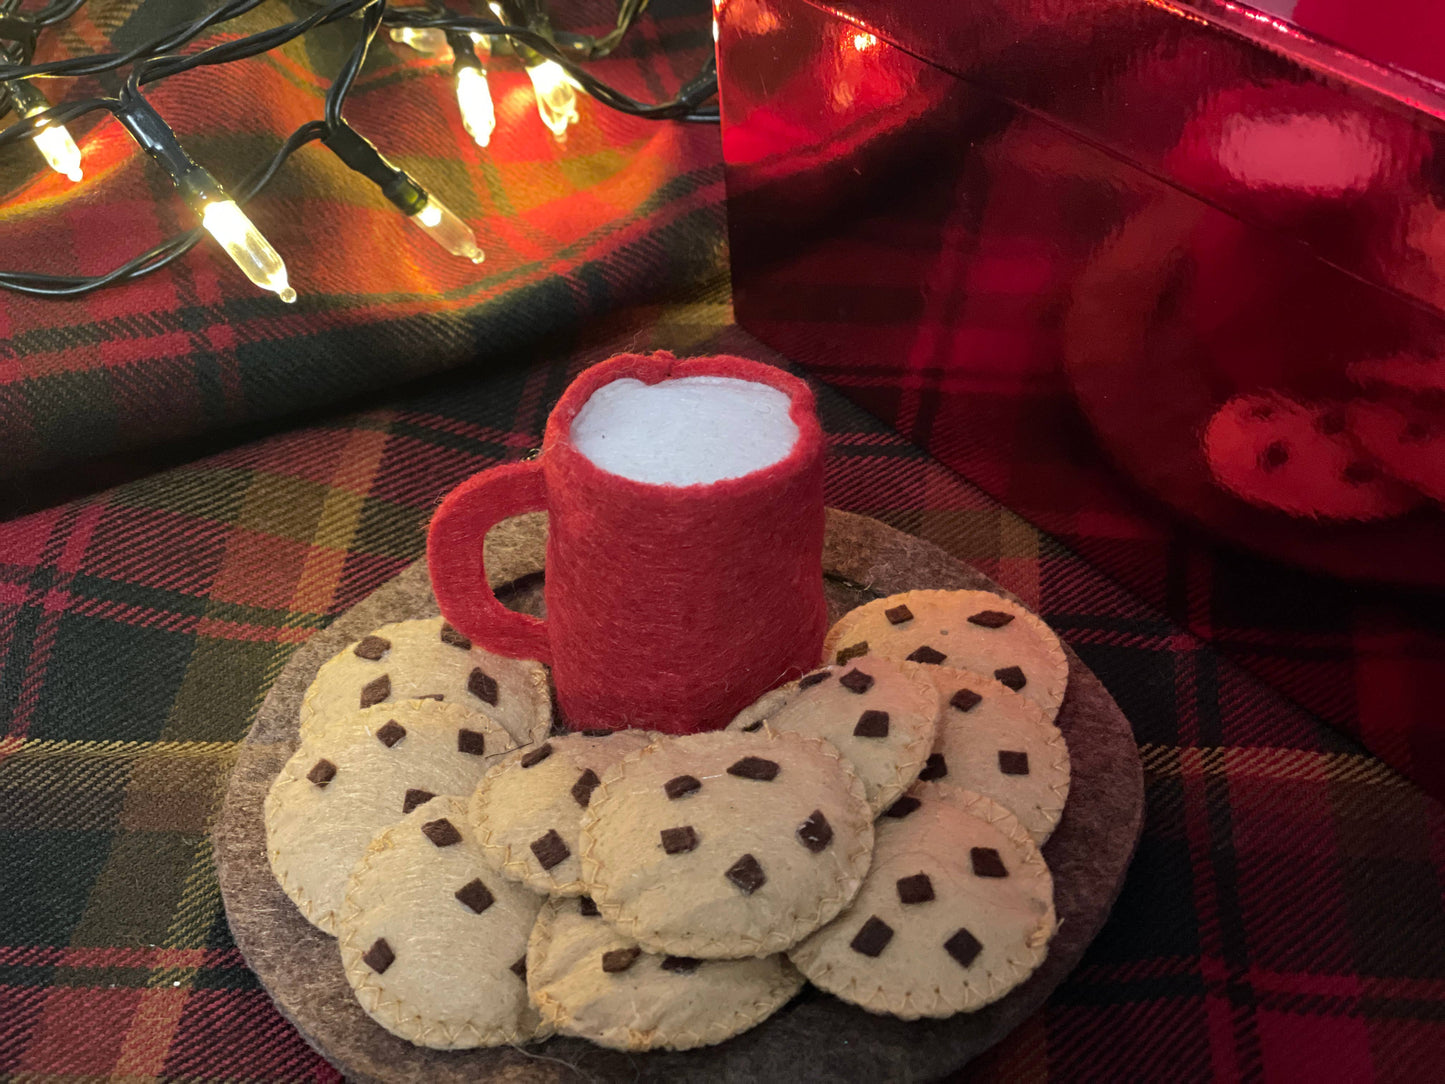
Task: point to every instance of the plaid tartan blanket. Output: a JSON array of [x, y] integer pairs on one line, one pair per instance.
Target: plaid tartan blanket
[[627, 208], [1283, 919]]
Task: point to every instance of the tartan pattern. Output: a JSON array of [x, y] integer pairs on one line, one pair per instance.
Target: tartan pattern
[[1283, 918], [570, 232]]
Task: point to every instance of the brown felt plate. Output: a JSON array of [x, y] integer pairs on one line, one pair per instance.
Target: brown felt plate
[[815, 1037]]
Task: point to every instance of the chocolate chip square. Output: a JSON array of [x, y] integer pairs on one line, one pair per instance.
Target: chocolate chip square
[[872, 937], [475, 896], [853, 651], [872, 724], [680, 965], [375, 691], [990, 619], [413, 798], [898, 614], [856, 681], [454, 638], [441, 832], [537, 755], [928, 655], [471, 742], [815, 833], [483, 686], [987, 862], [764, 771], [371, 648], [681, 785], [582, 790], [551, 849], [520, 969], [965, 700], [963, 947], [915, 889], [934, 768], [1011, 676], [679, 840], [587, 906], [1013, 762], [901, 808], [322, 772], [379, 957], [620, 959], [390, 733], [746, 874], [817, 677]]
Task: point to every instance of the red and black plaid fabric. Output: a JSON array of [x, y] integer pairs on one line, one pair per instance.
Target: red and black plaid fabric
[[1283, 918], [623, 211]]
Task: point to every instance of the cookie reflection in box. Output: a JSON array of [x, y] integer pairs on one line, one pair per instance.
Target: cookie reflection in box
[[684, 554]]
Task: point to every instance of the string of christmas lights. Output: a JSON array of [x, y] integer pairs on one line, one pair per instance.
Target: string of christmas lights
[[553, 61]]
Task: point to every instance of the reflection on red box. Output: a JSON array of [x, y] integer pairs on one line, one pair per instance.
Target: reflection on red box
[[1179, 271]]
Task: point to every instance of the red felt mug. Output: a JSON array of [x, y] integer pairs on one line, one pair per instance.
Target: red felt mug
[[669, 607]]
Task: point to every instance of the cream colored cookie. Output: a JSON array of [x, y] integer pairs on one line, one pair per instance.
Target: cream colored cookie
[[527, 811], [881, 715], [428, 659], [969, 630], [957, 910], [433, 941], [359, 773], [726, 844], [589, 980], [997, 742]]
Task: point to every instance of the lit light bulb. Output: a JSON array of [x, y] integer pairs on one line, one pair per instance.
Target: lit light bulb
[[438, 222], [556, 97], [474, 98], [238, 235], [52, 140], [428, 41]]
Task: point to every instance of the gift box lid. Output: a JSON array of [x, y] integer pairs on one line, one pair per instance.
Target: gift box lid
[[1254, 114]]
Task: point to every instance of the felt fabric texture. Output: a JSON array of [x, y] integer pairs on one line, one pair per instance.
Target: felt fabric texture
[[668, 607], [302, 971], [1282, 916]]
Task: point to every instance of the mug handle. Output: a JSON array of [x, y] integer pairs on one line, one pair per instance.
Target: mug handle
[[458, 567]]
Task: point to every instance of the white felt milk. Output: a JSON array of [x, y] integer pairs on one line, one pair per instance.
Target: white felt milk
[[688, 431]]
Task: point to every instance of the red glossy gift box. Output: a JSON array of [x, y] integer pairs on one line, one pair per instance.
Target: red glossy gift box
[[1141, 270]]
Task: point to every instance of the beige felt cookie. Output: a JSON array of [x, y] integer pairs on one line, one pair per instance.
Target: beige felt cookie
[[726, 844], [527, 811], [589, 980], [957, 910], [359, 773], [968, 630], [428, 659], [433, 942], [997, 742], [881, 715]]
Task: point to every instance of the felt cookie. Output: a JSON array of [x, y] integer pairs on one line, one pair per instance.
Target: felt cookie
[[883, 726], [527, 811], [996, 742], [968, 630], [589, 980], [433, 942], [726, 844], [1406, 439], [957, 910], [1277, 453], [359, 773], [428, 659]]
